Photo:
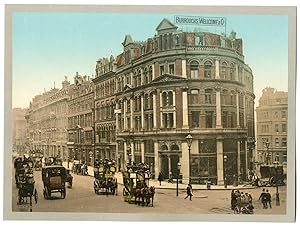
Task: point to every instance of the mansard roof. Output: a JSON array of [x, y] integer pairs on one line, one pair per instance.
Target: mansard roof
[[165, 26]]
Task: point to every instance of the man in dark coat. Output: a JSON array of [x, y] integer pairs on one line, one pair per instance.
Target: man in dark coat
[[189, 192], [160, 178], [268, 199], [263, 199]]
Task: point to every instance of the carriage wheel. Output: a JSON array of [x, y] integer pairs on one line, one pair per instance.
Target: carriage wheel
[[35, 196], [63, 193]]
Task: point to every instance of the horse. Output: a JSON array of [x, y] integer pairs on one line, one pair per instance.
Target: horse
[[149, 195], [138, 195]]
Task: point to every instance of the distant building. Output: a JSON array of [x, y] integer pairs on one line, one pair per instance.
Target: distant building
[[47, 122], [19, 130], [81, 119], [272, 118], [105, 104], [171, 85]]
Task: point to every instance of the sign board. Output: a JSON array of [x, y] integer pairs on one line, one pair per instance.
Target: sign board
[[199, 20]]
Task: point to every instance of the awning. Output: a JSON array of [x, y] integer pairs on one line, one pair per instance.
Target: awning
[[87, 128]]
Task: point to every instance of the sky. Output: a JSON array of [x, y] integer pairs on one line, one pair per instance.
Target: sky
[[48, 46]]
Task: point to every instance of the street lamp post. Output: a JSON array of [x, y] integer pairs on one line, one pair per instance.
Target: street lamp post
[[276, 181], [189, 140], [267, 155], [178, 173], [225, 173]]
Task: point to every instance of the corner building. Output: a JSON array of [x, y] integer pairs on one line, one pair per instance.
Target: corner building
[[179, 83]]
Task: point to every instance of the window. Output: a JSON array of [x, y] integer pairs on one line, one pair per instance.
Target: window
[[276, 128], [207, 70], [283, 114], [194, 69], [194, 96], [266, 114], [150, 74], [167, 98], [128, 105], [276, 114], [209, 119], [231, 72], [195, 119], [171, 69], [208, 96], [265, 128], [283, 142], [168, 120], [284, 128], [225, 119], [223, 72], [162, 69], [277, 142]]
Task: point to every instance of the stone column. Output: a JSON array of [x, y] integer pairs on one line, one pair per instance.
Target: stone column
[[236, 73], [217, 69], [185, 161], [125, 154], [174, 104], [131, 114], [156, 159], [153, 72], [245, 112], [161, 114], [246, 158], [132, 151], [237, 111], [142, 111], [117, 156], [238, 159], [143, 151], [185, 112], [117, 121], [125, 118], [169, 164], [220, 165], [131, 79], [218, 109], [183, 66], [154, 112]]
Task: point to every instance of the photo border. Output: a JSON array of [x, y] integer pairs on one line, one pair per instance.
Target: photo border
[[289, 11]]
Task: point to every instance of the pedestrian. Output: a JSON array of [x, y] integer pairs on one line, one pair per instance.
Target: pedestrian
[[160, 178], [189, 192], [233, 199], [238, 201], [263, 197], [268, 199]]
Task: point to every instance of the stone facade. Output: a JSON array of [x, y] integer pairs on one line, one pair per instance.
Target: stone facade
[[19, 137], [47, 122], [81, 119], [105, 121], [272, 121], [178, 83]]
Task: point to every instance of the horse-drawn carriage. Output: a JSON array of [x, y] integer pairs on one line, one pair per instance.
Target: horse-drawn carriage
[[54, 180], [25, 181], [105, 180], [136, 185], [272, 175], [53, 161], [23, 167]]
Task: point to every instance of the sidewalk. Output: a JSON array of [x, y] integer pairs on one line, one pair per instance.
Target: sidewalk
[[166, 185]]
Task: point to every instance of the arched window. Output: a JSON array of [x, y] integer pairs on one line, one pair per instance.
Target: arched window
[[232, 72], [208, 69], [150, 74], [194, 69], [167, 98], [194, 96], [146, 80], [164, 147], [223, 73], [174, 147]]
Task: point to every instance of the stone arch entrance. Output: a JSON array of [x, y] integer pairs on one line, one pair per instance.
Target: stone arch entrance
[[169, 158]]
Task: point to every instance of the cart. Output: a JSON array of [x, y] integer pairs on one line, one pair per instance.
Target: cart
[[54, 179]]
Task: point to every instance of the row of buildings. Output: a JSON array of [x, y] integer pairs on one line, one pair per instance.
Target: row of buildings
[[142, 104]]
